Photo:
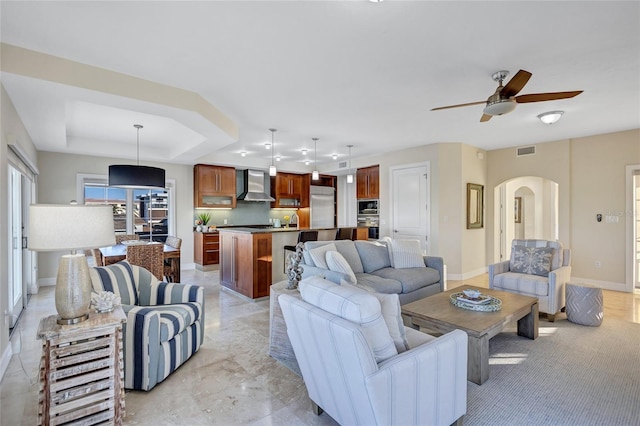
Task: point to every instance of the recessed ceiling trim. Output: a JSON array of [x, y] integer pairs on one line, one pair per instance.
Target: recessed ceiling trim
[[38, 65]]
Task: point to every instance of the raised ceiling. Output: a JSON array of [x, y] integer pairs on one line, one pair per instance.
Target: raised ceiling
[[350, 72]]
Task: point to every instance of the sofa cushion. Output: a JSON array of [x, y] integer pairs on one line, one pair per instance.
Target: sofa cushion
[[117, 278], [345, 247], [406, 254], [174, 319], [379, 284], [337, 262], [353, 305], [531, 260], [318, 255], [533, 285], [374, 255], [410, 278]]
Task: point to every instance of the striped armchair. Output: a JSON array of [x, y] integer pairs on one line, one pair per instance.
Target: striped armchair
[[165, 322]]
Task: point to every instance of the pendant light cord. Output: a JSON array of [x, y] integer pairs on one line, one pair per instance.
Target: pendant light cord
[[138, 126]]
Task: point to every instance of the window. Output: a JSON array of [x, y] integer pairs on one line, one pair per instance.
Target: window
[[144, 212]]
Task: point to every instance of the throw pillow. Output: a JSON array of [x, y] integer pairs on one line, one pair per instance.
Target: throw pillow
[[531, 260], [318, 255], [374, 255], [406, 254], [337, 262], [353, 305]]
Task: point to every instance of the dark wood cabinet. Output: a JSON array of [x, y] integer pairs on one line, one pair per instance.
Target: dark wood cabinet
[[368, 182], [290, 190], [246, 263], [214, 186], [206, 249]]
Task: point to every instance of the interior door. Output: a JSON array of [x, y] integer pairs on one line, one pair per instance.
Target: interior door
[[410, 204]]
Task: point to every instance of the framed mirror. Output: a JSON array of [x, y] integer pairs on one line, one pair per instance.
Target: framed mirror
[[475, 204]]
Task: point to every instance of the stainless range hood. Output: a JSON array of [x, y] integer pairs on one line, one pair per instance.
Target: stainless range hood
[[254, 187]]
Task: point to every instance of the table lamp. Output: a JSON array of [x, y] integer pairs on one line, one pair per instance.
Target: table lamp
[[54, 227]]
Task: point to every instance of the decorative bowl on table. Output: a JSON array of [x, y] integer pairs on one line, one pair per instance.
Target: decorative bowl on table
[[472, 294]]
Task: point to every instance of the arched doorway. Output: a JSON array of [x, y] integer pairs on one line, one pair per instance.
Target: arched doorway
[[525, 207]]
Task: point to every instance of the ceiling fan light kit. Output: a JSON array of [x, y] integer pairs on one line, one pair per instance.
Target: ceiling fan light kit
[[550, 117]]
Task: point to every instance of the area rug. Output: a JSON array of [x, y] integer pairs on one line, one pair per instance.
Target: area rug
[[569, 375]]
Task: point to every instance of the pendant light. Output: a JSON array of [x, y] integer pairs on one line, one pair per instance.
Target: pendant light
[[272, 167], [315, 175], [130, 176], [350, 175]]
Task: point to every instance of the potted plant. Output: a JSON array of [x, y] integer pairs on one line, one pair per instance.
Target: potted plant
[[202, 220]]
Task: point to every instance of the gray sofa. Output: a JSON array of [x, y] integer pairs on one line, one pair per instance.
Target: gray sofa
[[371, 263]]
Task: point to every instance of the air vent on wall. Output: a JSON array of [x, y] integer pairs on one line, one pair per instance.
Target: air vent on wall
[[342, 164], [525, 150]]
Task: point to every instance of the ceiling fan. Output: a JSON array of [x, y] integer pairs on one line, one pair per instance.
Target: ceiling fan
[[504, 100]]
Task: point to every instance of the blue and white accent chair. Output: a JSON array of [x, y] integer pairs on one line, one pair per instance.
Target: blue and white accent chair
[[363, 367], [165, 322]]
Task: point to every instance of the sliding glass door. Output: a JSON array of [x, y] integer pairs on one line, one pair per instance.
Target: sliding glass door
[[21, 274]]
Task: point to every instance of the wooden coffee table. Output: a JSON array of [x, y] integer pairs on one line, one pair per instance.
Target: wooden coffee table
[[436, 313]]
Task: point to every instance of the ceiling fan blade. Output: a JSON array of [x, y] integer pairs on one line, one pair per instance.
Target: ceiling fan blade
[[540, 97], [516, 84], [485, 117], [459, 105]]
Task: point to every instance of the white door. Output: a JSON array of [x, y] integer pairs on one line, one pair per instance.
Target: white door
[[409, 198]]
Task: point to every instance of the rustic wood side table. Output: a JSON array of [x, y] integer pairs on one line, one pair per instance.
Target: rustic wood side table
[[279, 344], [82, 370]]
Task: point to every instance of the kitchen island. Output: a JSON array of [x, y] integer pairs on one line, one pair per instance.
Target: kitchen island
[[252, 258]]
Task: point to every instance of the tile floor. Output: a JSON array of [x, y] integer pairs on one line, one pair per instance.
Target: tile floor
[[231, 380]]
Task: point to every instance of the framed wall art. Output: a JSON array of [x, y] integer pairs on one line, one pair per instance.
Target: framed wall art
[[475, 206]]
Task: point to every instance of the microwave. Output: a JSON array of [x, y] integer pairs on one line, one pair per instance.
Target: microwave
[[368, 207]]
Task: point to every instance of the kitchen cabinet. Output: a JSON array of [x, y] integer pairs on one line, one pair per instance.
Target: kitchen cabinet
[[214, 186], [368, 182], [206, 249], [245, 264], [290, 190]]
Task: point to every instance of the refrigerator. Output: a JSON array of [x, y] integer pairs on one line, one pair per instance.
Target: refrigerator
[[322, 206]]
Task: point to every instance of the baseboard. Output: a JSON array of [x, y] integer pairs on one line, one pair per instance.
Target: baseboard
[[467, 275], [44, 282], [607, 285], [6, 358]]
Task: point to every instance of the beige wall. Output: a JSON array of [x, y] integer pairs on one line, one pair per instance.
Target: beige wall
[[590, 173], [57, 185], [474, 170], [598, 186]]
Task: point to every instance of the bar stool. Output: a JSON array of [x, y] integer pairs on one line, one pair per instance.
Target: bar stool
[[303, 236], [346, 234]]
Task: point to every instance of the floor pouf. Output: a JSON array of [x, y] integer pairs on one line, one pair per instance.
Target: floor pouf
[[584, 304]]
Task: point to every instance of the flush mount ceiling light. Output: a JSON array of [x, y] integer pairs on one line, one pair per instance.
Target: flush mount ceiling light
[[243, 153], [267, 145], [349, 175], [315, 175], [272, 167], [277, 158], [130, 176], [550, 117], [334, 156], [307, 162], [304, 151]]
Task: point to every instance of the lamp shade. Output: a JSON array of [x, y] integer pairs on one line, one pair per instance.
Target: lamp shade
[[135, 176], [57, 227], [500, 107]]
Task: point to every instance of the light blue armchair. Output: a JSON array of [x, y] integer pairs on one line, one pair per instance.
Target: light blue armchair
[[165, 322]]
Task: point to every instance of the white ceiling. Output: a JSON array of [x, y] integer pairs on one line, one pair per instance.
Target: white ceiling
[[347, 72]]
